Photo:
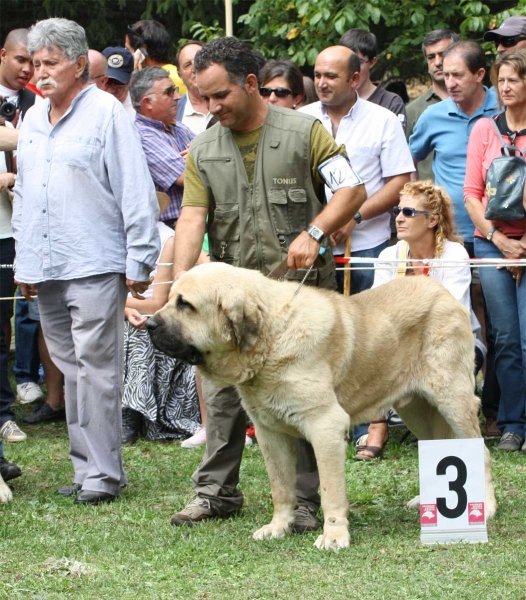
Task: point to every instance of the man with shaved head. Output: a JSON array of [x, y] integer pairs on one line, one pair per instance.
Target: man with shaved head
[[376, 146], [98, 67]]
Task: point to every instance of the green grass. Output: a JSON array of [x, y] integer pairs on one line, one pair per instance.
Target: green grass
[[129, 550]]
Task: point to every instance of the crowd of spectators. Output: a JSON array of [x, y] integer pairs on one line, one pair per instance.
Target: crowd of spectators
[[233, 146]]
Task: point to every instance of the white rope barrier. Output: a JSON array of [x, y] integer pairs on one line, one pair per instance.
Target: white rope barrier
[[380, 265]]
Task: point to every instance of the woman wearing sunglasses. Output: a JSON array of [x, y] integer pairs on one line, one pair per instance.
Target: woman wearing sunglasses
[[281, 83], [426, 230], [504, 289]]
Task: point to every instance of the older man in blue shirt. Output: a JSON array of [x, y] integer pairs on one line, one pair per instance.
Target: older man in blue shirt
[[84, 221], [165, 142], [445, 127]]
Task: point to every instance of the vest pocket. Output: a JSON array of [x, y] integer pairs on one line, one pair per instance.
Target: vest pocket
[[289, 209], [224, 235]]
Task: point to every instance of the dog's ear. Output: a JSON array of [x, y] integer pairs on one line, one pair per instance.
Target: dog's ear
[[243, 320]]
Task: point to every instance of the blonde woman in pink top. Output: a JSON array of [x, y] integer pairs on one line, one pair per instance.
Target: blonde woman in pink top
[[505, 288]]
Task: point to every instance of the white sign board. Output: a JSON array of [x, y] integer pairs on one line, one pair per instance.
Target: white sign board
[[452, 491]]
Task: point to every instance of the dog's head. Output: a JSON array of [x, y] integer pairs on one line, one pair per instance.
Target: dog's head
[[212, 311]]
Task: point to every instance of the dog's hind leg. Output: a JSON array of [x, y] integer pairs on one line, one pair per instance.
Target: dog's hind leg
[[280, 459], [5, 492], [328, 434]]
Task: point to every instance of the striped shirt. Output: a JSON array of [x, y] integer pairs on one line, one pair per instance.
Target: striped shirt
[[162, 145]]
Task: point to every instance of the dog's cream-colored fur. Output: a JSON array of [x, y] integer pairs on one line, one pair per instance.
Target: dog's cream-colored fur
[[5, 492], [311, 366]]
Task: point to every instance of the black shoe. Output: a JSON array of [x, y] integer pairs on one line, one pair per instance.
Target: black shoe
[[69, 490], [9, 470], [45, 413], [89, 497], [131, 425]]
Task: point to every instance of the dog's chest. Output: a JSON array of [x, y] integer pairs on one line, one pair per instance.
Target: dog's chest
[[271, 412]]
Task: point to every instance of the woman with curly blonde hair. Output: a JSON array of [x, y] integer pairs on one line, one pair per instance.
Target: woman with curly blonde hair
[[426, 230]]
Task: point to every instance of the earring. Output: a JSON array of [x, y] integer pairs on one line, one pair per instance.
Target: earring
[[293, 106]]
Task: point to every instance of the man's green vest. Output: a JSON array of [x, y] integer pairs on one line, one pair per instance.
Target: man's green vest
[[252, 226]]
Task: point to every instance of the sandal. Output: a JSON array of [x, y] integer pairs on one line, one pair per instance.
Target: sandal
[[361, 445]]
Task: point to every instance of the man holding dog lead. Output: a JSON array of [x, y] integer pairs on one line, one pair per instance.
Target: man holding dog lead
[[258, 177]]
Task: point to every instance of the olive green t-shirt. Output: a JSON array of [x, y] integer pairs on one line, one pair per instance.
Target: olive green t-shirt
[[322, 147]]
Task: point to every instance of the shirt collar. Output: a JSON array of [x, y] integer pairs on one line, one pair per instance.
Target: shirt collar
[[154, 123], [430, 94], [353, 113]]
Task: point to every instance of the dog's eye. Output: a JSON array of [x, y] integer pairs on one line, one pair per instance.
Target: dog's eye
[[183, 304]]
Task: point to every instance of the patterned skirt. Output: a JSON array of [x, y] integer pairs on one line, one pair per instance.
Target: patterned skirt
[[162, 389]]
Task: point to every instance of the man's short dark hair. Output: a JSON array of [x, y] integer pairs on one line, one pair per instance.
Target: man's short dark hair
[[437, 35], [471, 53], [236, 57], [359, 40], [153, 36], [190, 43]]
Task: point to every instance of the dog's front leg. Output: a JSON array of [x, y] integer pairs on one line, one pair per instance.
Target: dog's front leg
[[328, 435], [5, 492], [280, 459]]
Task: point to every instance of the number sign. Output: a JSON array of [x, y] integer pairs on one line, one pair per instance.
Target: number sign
[[452, 491]]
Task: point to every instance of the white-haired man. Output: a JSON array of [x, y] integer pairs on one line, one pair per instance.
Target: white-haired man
[[84, 222]]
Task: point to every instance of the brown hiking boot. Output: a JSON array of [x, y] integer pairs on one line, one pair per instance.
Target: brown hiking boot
[[304, 520], [492, 431], [196, 510]]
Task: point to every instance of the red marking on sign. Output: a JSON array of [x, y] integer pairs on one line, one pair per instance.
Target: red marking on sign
[[475, 512], [428, 514]]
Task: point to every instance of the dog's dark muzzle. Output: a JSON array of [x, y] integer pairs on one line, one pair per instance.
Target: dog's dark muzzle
[[168, 341]]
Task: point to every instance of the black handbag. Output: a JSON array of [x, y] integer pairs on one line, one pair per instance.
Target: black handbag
[[505, 181]]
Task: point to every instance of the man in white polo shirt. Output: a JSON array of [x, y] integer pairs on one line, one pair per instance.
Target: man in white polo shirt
[[377, 148]]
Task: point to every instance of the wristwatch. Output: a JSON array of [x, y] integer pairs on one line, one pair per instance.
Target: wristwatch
[[358, 217], [491, 232], [315, 232]]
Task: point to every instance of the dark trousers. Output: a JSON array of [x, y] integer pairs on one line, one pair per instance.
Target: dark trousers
[[7, 288]]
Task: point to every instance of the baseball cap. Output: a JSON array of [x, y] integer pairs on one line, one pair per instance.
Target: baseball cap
[[120, 63], [511, 27]]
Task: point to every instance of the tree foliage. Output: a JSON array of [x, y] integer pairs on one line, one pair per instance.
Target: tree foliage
[[301, 28]]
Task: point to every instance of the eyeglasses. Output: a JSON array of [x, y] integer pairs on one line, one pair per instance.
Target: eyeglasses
[[115, 83], [408, 212], [171, 90], [509, 42], [280, 92]]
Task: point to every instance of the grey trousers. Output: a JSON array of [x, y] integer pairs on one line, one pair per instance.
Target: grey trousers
[[83, 324], [218, 474]]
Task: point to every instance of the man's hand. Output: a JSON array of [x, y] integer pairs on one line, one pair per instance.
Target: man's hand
[[138, 287], [135, 318], [6, 180], [27, 290], [303, 252], [340, 236]]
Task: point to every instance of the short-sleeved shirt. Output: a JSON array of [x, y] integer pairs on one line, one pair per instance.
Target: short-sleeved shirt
[[391, 101], [377, 149], [322, 147], [162, 146], [444, 128]]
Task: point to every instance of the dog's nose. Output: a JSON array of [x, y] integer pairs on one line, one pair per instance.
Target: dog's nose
[[151, 324]]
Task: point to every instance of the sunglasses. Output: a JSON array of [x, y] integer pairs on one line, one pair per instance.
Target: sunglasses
[[171, 90], [114, 83], [408, 212], [280, 92], [509, 42]]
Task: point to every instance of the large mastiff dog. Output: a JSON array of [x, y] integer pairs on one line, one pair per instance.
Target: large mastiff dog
[[311, 365]]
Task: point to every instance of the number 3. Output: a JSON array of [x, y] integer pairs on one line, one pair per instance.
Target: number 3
[[456, 486]]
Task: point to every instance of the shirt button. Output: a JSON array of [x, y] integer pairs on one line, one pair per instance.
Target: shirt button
[[44, 184], [45, 235], [44, 211], [48, 160]]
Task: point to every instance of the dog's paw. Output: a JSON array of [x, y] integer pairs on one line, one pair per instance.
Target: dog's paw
[[5, 493], [413, 504], [271, 531], [334, 540]]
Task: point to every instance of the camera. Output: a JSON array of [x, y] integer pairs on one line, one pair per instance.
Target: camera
[[7, 109]]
